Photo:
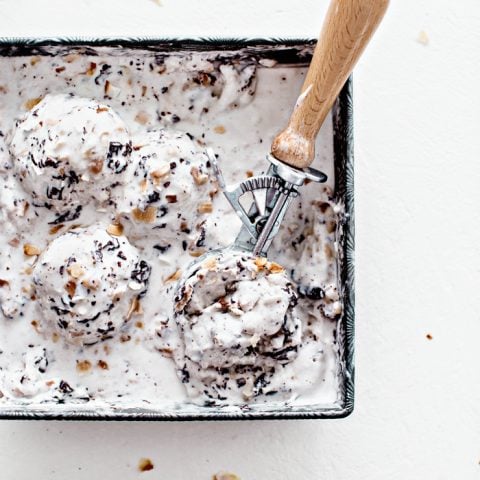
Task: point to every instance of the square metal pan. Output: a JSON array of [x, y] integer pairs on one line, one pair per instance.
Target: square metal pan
[[291, 51]]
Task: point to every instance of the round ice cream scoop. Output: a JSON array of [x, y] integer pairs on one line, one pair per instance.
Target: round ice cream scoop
[[236, 318], [88, 283], [69, 151], [169, 193]]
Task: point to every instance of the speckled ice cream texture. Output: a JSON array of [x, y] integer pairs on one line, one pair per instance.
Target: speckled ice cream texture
[[235, 107], [88, 283], [240, 330], [68, 151]]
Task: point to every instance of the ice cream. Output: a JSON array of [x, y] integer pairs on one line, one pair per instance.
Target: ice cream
[[73, 243], [63, 146], [168, 195], [88, 283], [237, 319]]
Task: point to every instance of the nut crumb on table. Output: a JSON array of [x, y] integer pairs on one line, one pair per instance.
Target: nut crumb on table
[[225, 476], [145, 465]]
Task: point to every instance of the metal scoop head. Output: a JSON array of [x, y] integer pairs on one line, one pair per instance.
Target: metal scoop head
[[272, 194]]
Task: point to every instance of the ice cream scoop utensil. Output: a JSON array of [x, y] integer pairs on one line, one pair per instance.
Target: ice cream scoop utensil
[[346, 31], [273, 193]]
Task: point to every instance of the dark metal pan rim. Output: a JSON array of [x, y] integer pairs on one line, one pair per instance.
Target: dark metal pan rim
[[343, 154]]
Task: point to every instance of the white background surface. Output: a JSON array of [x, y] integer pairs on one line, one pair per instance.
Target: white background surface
[[417, 144]]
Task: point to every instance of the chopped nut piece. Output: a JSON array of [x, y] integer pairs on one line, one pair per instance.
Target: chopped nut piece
[[160, 173], [143, 185], [225, 476], [77, 334], [55, 337], [145, 216], [275, 268], [71, 57], [115, 229], [29, 104], [423, 38], [187, 294], [31, 250], [83, 365], [26, 205], [260, 262], [90, 284], [142, 118], [247, 393], [56, 228], [213, 192], [337, 308], [198, 178], [91, 68], [308, 231], [205, 207], [171, 198], [323, 206], [59, 69], [106, 87], [125, 338], [429, 336], [34, 60], [75, 270], [210, 263], [70, 288], [102, 364], [139, 324], [96, 166], [167, 352], [4, 283], [236, 311], [35, 325], [220, 129], [102, 109], [145, 464], [268, 62], [197, 253], [135, 308], [249, 173], [174, 276], [331, 226]]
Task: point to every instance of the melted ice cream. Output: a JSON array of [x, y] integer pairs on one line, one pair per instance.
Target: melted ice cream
[[87, 145]]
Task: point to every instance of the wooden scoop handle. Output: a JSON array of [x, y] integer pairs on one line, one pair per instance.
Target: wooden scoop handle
[[347, 29]]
